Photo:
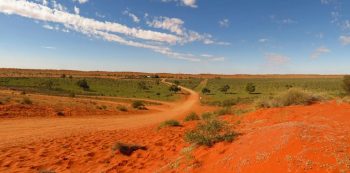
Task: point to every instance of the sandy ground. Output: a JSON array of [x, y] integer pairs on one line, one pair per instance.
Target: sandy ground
[[311, 138], [292, 139], [17, 131]]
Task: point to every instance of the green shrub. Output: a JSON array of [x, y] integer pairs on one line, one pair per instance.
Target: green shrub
[[250, 88], [127, 149], [169, 123], [137, 104], [122, 108], [206, 91], [174, 88], [210, 132], [192, 117], [293, 96], [71, 94], [229, 102], [83, 84], [26, 101], [224, 111], [346, 84], [208, 115]]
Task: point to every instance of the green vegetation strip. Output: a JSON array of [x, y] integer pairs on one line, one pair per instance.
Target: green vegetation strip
[[130, 88]]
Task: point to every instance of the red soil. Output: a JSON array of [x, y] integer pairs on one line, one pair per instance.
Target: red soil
[[292, 139]]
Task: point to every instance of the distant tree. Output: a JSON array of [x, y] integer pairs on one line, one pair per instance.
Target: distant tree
[[47, 84], [288, 86], [346, 84], [83, 84], [157, 81], [225, 88], [250, 88], [177, 82], [143, 85], [70, 77], [206, 91], [63, 76], [174, 88], [156, 76]]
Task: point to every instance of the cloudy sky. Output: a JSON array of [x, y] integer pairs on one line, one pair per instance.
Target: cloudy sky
[[180, 36]]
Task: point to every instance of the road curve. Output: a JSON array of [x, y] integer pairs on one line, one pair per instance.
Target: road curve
[[21, 131]]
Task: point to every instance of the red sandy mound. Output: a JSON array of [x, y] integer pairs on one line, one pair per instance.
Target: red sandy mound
[[291, 139]]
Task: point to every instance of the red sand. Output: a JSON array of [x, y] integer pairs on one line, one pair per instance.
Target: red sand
[[292, 139]]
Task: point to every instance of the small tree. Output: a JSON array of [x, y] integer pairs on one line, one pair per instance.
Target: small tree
[[250, 88], [47, 84], [143, 86], [63, 76], [177, 82], [206, 91], [83, 84], [225, 88], [346, 84], [174, 88]]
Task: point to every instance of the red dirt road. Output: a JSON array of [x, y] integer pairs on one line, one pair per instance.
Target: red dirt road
[[18, 131]]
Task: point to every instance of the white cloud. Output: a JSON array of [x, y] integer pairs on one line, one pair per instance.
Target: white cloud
[[76, 10], [48, 47], [132, 16], [49, 27], [174, 25], [189, 3], [105, 30], [319, 51], [276, 59], [263, 40], [40, 12], [45, 2], [81, 1], [345, 40], [224, 23]]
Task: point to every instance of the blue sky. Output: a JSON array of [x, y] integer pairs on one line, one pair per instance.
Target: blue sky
[[178, 36]]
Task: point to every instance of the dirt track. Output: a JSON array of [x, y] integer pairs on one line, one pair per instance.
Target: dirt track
[[18, 131]]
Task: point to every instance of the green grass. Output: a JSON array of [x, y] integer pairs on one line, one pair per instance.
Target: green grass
[[129, 88], [188, 83], [210, 132], [266, 87], [169, 123]]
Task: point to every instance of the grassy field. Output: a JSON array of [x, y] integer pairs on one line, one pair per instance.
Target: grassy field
[[188, 83], [131, 88], [267, 87]]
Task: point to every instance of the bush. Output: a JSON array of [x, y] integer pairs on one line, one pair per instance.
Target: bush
[[192, 117], [208, 115], [174, 88], [169, 123], [224, 111], [60, 113], [250, 88], [122, 108], [71, 94], [224, 88], [206, 91], [293, 96], [346, 84], [210, 132], [127, 149], [229, 102], [26, 101], [138, 105], [83, 84]]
